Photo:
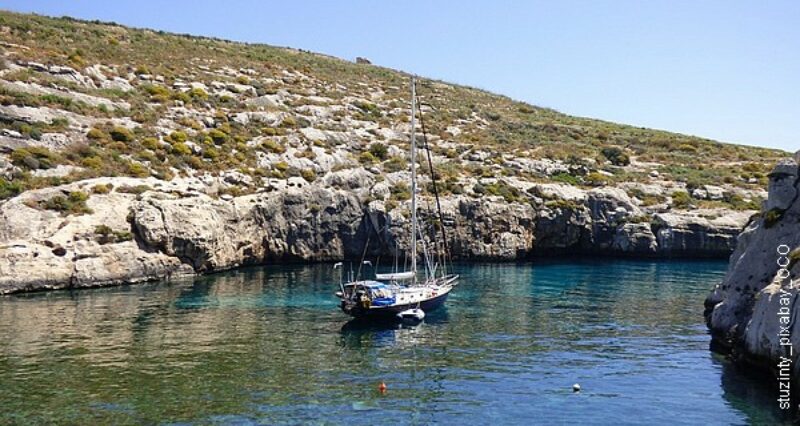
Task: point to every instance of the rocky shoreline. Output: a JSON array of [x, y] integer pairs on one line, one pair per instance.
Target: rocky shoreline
[[752, 313], [138, 230]]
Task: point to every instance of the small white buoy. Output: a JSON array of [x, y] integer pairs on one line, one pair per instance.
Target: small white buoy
[[576, 387]]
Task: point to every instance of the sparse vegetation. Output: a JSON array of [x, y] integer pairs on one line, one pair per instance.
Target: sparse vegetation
[[772, 217], [616, 156], [213, 142], [400, 192], [501, 189], [138, 189], [9, 189], [681, 200], [102, 189], [565, 178], [104, 234], [309, 175], [72, 203], [367, 158], [395, 164], [379, 151], [562, 204]]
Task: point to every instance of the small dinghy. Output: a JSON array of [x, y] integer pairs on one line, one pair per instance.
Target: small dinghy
[[414, 314]]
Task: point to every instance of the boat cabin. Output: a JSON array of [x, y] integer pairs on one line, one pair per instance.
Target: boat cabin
[[378, 293]]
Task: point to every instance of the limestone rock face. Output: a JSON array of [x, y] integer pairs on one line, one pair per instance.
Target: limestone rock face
[[782, 189], [176, 229], [191, 229], [742, 311], [635, 238], [493, 230], [696, 235], [213, 235]]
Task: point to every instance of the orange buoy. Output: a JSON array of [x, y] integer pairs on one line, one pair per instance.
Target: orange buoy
[[382, 387]]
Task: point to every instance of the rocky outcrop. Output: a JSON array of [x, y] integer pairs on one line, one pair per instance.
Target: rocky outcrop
[[752, 313], [176, 229]]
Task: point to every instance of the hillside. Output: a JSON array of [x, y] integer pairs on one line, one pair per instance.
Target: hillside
[[97, 117]]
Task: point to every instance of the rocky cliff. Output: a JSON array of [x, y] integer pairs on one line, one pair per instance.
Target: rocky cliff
[[752, 313], [145, 229]]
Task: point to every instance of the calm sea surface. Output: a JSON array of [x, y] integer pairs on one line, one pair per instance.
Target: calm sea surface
[[270, 346]]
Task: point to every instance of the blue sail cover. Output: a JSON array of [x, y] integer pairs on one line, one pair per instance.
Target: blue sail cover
[[383, 301], [381, 294]]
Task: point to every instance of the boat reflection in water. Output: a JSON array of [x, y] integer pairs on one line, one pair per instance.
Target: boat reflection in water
[[368, 332]]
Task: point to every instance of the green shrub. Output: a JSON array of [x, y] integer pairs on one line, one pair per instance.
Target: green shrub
[[198, 93], [96, 134], [94, 163], [794, 257], [121, 236], [367, 158], [138, 170], [157, 93], [33, 158], [106, 235], [503, 189], [181, 148], [35, 133], [289, 122], [562, 204], [738, 203], [219, 137], [272, 146], [211, 153], [103, 230], [395, 164], [642, 218], [74, 203], [120, 147], [616, 156], [146, 155], [400, 191], [309, 175], [772, 217], [369, 111], [194, 162], [177, 136], [138, 189], [564, 177], [121, 134], [9, 189], [150, 143], [102, 189], [281, 166], [379, 150], [681, 199], [182, 96], [595, 179]]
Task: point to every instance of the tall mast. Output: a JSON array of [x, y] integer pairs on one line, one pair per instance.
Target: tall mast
[[413, 179]]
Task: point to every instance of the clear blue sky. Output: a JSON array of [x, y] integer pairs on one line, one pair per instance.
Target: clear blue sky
[[727, 70]]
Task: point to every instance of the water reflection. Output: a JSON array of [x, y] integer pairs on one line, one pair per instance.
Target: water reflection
[[269, 345]]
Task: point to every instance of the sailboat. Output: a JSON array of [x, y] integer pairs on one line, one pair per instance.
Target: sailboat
[[403, 295]]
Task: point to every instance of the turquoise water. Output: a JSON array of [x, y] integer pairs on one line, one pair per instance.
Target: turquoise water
[[269, 346]]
